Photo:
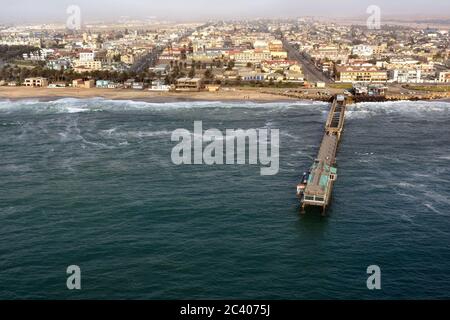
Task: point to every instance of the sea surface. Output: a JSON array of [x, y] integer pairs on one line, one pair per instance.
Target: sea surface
[[91, 183]]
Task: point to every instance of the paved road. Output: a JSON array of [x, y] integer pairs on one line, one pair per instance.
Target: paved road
[[151, 58], [312, 74], [147, 61]]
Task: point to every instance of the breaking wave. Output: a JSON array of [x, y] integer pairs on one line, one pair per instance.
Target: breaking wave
[[405, 108], [73, 105]]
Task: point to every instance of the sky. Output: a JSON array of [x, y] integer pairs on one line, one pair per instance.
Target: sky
[[18, 11]]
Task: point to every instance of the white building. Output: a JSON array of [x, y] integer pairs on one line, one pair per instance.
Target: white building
[[362, 50], [261, 44], [159, 86], [87, 56], [405, 76]]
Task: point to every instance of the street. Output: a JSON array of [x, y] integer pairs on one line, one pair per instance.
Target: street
[[312, 74]]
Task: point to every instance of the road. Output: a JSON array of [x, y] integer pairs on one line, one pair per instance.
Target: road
[[147, 61], [150, 59], [312, 74]]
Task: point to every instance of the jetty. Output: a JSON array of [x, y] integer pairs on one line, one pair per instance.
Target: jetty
[[317, 184]]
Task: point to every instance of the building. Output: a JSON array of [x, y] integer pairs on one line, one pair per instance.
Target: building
[[252, 56], [261, 44], [162, 68], [352, 74], [36, 82], [58, 65], [88, 84], [159, 86], [276, 46], [213, 87], [85, 66], [279, 54], [57, 85], [406, 75], [87, 56], [113, 85], [102, 84], [189, 84], [127, 59], [138, 86], [360, 89], [78, 83], [362, 51], [254, 76], [444, 77]]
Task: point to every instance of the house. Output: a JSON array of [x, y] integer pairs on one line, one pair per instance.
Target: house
[[253, 76], [129, 83], [161, 68], [113, 85], [138, 86], [57, 85], [102, 84], [88, 84], [159, 86], [213, 87], [189, 84], [86, 56], [36, 82], [78, 83], [320, 85], [294, 76]]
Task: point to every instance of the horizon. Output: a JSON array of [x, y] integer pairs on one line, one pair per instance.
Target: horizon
[[25, 11]]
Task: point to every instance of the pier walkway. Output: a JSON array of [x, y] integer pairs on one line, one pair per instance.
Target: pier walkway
[[323, 172]]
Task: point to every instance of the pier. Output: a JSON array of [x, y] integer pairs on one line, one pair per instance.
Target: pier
[[317, 185]]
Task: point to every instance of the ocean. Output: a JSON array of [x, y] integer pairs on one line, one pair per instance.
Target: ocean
[[91, 183]]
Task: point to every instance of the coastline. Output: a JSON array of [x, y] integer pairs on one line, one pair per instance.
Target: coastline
[[47, 94], [225, 95]]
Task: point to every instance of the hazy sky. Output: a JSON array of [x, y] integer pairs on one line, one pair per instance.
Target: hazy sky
[[55, 10]]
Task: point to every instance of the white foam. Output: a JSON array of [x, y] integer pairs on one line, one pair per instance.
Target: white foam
[[74, 105], [409, 108]]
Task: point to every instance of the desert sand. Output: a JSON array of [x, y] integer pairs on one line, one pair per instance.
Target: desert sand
[[15, 93]]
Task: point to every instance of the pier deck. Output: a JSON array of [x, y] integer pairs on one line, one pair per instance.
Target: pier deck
[[323, 172]]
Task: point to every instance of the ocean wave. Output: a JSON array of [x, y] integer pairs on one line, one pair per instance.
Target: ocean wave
[[74, 105], [405, 108], [134, 134]]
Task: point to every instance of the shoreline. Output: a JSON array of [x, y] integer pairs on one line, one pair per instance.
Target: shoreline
[[47, 94], [235, 95]]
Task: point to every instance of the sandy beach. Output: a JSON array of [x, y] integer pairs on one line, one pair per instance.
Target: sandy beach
[[16, 93]]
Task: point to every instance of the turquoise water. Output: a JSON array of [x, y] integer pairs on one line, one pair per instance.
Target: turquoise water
[[91, 183]]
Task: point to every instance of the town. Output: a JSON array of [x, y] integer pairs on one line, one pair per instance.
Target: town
[[301, 58]]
